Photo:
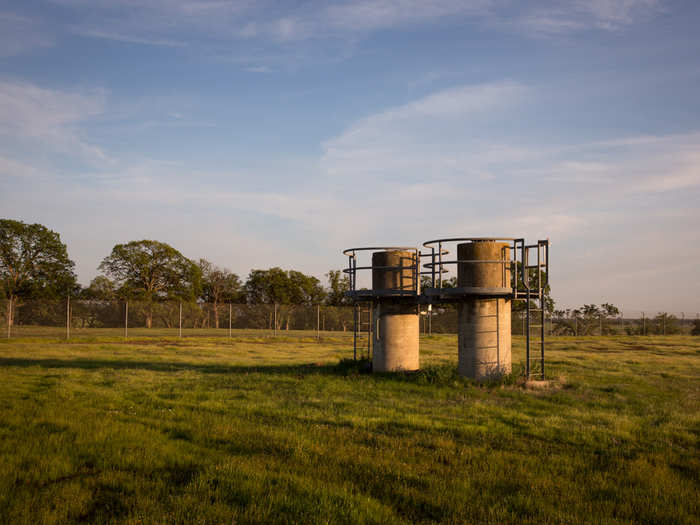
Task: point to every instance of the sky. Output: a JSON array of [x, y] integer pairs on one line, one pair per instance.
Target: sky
[[260, 133]]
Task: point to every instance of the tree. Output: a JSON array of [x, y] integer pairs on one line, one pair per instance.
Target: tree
[[696, 327], [338, 284], [532, 279], [305, 289], [152, 270], [277, 286], [664, 324], [33, 263], [101, 288], [219, 285], [585, 320]]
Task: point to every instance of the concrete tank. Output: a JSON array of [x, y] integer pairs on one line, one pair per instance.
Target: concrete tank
[[484, 321], [395, 318]]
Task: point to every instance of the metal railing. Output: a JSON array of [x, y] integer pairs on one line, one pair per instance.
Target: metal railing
[[364, 294]]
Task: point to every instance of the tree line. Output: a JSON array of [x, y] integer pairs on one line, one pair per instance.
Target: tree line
[[34, 264]]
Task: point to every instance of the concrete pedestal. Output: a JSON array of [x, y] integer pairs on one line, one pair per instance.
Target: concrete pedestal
[[396, 331], [484, 322], [395, 319]]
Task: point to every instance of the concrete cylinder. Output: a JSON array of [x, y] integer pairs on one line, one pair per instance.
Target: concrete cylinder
[[393, 270], [484, 322], [395, 319]]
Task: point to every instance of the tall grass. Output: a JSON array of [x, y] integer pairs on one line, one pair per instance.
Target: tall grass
[[287, 430]]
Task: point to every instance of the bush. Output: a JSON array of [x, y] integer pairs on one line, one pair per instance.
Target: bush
[[696, 327]]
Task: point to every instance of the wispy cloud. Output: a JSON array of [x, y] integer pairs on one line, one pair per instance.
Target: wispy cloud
[[32, 113], [95, 33], [367, 15], [457, 161], [20, 34], [263, 30], [557, 19]]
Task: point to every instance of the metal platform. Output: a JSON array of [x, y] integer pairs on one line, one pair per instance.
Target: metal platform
[[364, 299], [526, 284], [528, 265], [459, 292]]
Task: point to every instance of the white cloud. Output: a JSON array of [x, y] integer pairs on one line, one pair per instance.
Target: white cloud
[[132, 39], [14, 168], [548, 19], [47, 118], [611, 14], [366, 15], [435, 166], [265, 29]]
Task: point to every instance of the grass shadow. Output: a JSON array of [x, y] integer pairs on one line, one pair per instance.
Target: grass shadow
[[442, 374], [344, 367]]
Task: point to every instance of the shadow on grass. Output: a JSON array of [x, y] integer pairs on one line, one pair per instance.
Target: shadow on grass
[[344, 367], [445, 374]]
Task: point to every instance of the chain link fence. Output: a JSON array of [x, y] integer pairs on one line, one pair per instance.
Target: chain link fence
[[85, 318]]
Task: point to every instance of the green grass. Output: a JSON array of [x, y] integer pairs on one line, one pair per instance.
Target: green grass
[[264, 430]]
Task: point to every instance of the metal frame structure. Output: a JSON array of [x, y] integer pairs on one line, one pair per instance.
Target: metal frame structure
[[521, 287], [365, 298]]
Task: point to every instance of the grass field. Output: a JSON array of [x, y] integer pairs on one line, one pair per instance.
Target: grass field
[[270, 430]]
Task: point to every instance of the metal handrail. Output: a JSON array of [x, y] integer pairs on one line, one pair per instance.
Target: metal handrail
[[518, 256], [352, 268], [440, 263]]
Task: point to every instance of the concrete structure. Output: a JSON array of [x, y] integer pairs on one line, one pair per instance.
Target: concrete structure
[[484, 309], [395, 314]]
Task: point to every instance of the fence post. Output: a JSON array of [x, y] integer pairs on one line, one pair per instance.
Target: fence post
[[9, 316], [68, 318], [229, 321], [180, 321], [126, 320], [430, 319]]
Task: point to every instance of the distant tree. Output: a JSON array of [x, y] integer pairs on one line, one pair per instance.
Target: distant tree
[[586, 320], [97, 307], [519, 306], [696, 327], [152, 270], [34, 263], [426, 281], [267, 287], [306, 289], [338, 285], [219, 286], [664, 324], [277, 286], [101, 288]]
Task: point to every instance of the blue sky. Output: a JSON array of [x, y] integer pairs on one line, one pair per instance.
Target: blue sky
[[263, 133]]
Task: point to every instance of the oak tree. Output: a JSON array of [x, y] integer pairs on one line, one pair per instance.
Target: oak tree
[[151, 271]]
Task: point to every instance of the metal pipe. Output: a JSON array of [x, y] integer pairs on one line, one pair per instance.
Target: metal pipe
[[527, 336]]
